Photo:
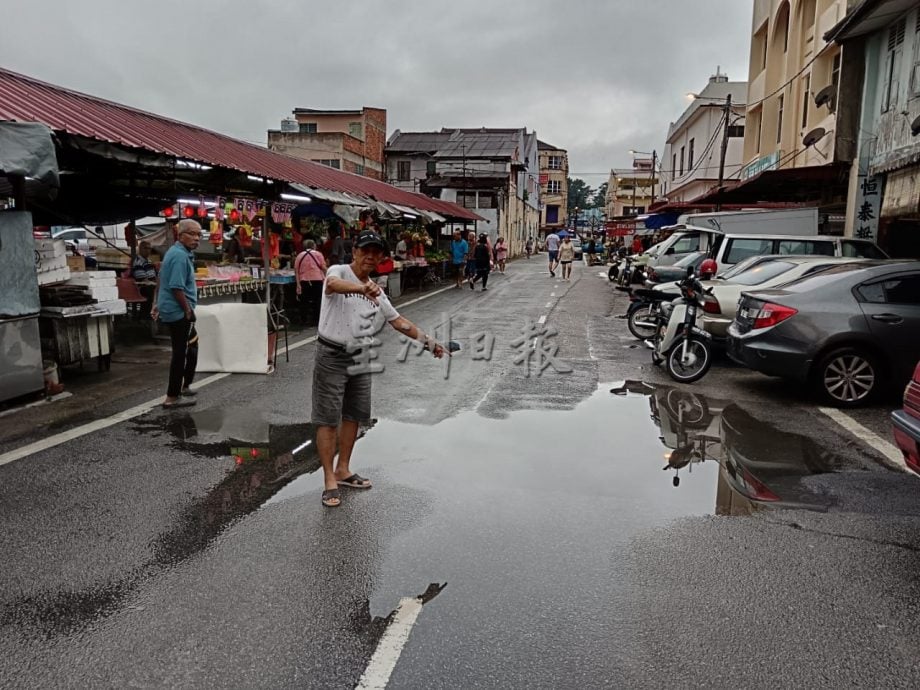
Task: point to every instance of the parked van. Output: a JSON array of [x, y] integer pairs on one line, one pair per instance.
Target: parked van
[[729, 249], [787, 221]]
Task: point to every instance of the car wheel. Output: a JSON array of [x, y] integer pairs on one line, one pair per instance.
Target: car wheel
[[848, 377]]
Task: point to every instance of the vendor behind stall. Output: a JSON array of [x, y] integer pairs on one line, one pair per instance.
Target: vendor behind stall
[[233, 250], [145, 274]]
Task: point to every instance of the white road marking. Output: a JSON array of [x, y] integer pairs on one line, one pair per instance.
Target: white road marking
[[888, 450], [542, 319], [380, 668], [548, 304], [77, 432], [552, 294], [136, 411]]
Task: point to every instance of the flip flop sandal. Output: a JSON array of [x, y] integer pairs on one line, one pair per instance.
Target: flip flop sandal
[[355, 482], [331, 498]]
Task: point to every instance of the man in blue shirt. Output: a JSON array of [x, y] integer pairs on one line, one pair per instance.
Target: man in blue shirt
[[177, 297], [458, 252]]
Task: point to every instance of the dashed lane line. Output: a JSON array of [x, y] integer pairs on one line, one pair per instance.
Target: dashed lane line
[[394, 639], [870, 438], [548, 304], [542, 319], [136, 411]]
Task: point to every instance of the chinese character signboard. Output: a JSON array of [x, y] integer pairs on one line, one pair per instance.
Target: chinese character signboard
[[620, 228], [868, 202]]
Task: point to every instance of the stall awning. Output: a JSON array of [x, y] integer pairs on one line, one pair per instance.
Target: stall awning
[[815, 183], [24, 99]]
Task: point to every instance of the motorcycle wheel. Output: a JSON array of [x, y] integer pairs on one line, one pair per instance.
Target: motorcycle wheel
[[637, 316], [699, 360], [612, 273], [688, 409]]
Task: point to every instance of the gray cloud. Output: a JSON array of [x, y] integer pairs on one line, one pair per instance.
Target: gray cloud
[[597, 78]]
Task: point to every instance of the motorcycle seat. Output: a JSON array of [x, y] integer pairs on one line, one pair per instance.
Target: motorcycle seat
[[655, 295]]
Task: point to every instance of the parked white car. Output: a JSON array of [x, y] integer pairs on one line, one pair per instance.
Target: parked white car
[[721, 304]]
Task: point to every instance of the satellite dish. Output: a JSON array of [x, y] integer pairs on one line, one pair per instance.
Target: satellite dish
[[814, 136], [825, 95], [915, 126]]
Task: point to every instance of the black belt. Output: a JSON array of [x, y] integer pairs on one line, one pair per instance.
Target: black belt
[[330, 343]]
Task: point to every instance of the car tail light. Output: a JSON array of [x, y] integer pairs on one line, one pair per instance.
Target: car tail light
[[711, 305], [771, 314], [759, 490]]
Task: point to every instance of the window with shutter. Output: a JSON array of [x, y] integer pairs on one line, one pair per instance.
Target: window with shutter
[[915, 70], [892, 74]]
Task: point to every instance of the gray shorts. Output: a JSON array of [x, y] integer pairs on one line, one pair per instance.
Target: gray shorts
[[336, 394]]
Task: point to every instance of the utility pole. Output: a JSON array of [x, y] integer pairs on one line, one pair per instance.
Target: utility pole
[[728, 115], [654, 160]]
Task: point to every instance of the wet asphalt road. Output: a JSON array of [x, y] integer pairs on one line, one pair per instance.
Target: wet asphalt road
[[538, 514]]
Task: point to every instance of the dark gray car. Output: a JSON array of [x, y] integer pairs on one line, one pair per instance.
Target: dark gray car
[[851, 330]]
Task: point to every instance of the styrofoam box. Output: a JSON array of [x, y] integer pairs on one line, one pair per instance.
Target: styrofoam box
[[104, 294], [115, 306], [58, 275], [93, 278]]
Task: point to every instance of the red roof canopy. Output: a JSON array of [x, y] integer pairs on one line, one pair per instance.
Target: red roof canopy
[[25, 99]]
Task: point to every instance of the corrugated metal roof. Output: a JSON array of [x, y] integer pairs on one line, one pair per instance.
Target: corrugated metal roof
[[25, 99], [416, 142], [483, 144]]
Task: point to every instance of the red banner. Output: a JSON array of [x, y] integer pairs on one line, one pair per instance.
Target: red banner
[[619, 228], [544, 178]]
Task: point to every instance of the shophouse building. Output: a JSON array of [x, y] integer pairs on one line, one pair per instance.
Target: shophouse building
[[349, 140]]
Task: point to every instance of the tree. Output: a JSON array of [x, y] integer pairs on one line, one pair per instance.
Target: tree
[[600, 197], [580, 193]]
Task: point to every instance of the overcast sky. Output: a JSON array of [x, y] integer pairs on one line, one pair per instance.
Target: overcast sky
[[595, 77]]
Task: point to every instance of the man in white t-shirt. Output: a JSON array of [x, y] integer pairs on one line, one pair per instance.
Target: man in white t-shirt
[[552, 248], [351, 312]]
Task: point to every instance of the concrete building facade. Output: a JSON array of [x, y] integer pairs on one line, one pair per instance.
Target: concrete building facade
[[554, 187], [790, 64], [884, 190], [630, 190], [492, 171], [692, 151], [349, 140]]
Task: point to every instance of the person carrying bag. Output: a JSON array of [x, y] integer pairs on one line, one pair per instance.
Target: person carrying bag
[[310, 272]]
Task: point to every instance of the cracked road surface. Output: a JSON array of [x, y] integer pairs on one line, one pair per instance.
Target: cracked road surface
[[601, 528]]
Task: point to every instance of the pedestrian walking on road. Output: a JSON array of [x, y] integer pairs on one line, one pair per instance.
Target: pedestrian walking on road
[[351, 303], [177, 298], [528, 246], [470, 272], [482, 255], [501, 254], [552, 248], [566, 257], [458, 252], [310, 272]]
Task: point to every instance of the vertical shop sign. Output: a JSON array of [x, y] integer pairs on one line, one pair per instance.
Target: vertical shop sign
[[868, 203]]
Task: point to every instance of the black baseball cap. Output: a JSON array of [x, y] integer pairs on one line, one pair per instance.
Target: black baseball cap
[[369, 238]]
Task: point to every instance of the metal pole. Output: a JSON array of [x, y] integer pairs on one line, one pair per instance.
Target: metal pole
[[728, 113], [654, 159]]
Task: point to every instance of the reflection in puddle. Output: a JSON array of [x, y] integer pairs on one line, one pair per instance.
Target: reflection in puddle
[[759, 464], [645, 455]]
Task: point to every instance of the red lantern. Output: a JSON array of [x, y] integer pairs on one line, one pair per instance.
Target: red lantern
[[238, 459], [188, 212], [202, 212], [234, 216], [254, 452], [168, 212]]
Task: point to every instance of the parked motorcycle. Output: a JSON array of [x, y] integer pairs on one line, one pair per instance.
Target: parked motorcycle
[[643, 314], [684, 347]]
